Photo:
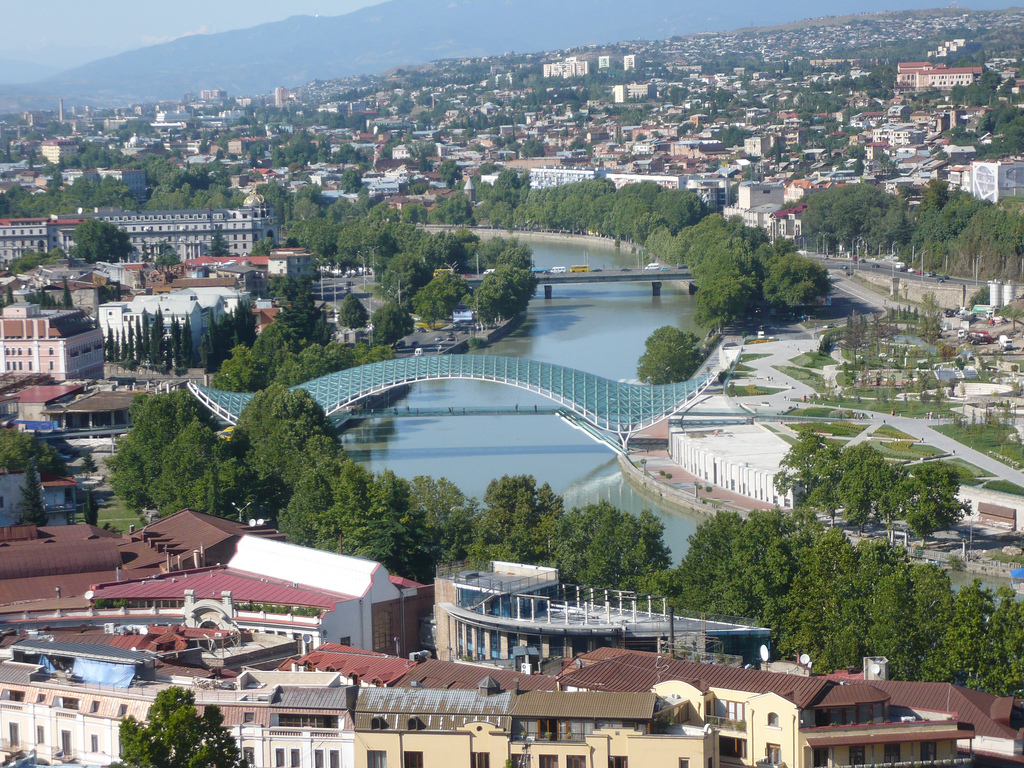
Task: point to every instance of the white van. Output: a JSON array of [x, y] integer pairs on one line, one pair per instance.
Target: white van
[[557, 270], [653, 265]]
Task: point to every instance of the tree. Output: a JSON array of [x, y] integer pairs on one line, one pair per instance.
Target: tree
[[793, 280], [448, 172], [438, 298], [17, 449], [670, 356], [218, 243], [517, 522], [931, 499], [97, 240], [32, 510], [66, 300], [390, 323], [89, 464], [90, 510], [813, 465], [177, 736], [930, 325], [353, 314]]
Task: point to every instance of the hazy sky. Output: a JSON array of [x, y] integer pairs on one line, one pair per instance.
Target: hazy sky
[[65, 33]]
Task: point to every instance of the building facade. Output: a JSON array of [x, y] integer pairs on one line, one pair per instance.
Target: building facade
[[60, 343]]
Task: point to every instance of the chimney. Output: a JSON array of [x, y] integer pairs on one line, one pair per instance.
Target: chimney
[[58, 592], [131, 529]]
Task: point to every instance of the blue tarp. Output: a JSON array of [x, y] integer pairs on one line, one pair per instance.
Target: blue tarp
[[1017, 573], [104, 672]]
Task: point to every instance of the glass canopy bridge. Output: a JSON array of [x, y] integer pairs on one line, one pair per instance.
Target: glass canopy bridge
[[607, 410]]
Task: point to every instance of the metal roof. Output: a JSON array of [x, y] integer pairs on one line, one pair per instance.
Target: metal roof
[[890, 736], [606, 404], [432, 701], [308, 697], [210, 583], [16, 672], [107, 653], [452, 675], [849, 695], [589, 705]]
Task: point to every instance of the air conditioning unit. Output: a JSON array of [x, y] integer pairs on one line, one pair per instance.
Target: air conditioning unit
[[110, 628], [526, 669]]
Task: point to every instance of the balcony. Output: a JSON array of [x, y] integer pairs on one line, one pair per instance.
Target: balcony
[[726, 724], [949, 762]]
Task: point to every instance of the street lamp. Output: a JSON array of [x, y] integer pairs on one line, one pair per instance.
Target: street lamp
[[240, 511]]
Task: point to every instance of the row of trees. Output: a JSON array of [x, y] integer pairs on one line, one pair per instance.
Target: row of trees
[[861, 483], [735, 266], [838, 602], [949, 231]]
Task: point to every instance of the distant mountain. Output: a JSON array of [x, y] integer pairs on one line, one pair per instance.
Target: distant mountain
[[396, 33], [14, 72]]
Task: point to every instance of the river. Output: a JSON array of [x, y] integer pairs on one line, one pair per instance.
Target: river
[[600, 329]]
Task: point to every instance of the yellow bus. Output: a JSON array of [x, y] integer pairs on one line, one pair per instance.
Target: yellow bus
[[443, 271], [579, 268]]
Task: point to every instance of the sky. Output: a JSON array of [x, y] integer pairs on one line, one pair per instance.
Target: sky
[[66, 33]]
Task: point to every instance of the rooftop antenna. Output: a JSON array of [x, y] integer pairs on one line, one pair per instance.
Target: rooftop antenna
[[764, 653], [805, 659]]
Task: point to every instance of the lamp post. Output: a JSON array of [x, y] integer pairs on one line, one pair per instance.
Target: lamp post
[[240, 511]]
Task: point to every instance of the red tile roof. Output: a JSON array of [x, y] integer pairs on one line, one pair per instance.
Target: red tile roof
[[378, 668], [45, 394], [450, 675]]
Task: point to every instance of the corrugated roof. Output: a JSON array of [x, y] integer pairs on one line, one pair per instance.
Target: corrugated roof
[[641, 671], [424, 700], [852, 694], [378, 668], [973, 708], [210, 583], [16, 672], [51, 556], [310, 697], [80, 650], [590, 705], [451, 675]]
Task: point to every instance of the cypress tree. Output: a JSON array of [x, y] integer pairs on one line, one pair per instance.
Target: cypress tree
[[188, 350], [129, 352], [90, 509], [67, 301], [32, 510]]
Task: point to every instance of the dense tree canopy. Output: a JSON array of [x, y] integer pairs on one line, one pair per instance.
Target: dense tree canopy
[[670, 356], [97, 240]]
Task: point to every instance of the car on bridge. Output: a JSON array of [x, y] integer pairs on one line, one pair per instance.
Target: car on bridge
[[653, 265]]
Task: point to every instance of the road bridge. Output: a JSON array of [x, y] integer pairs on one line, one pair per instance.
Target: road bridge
[[653, 276]]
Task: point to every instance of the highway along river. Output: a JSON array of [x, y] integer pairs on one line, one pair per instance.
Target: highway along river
[[596, 328]]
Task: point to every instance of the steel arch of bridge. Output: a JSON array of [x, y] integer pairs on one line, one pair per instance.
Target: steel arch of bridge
[[610, 406]]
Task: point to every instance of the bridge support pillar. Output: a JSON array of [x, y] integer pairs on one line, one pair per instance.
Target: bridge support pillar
[[547, 291], [656, 288]]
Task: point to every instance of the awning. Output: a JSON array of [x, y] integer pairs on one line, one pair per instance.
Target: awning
[[1017, 573], [890, 737]]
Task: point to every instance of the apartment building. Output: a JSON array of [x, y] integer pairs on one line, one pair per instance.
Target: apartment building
[[133, 178], [567, 68], [630, 91], [55, 150], [290, 262], [994, 181], [923, 76], [898, 134], [60, 498], [18, 236], [60, 343]]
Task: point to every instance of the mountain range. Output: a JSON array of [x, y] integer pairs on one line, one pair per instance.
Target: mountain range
[[395, 33]]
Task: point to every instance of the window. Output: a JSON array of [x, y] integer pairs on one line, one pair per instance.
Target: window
[[122, 710], [376, 758], [40, 735], [296, 762], [856, 755], [318, 758], [479, 760], [279, 758], [12, 695], [249, 755], [335, 759], [65, 742], [547, 761], [415, 724], [684, 762], [618, 762], [378, 724], [892, 753], [928, 750], [412, 760], [14, 734], [820, 758], [575, 761], [773, 754], [382, 631], [773, 720], [732, 747], [94, 743], [94, 706], [248, 717], [307, 721], [735, 710]]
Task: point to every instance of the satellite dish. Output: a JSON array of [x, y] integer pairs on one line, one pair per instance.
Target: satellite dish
[[805, 659], [89, 595], [260, 521], [876, 669], [307, 638], [764, 653], [252, 523]]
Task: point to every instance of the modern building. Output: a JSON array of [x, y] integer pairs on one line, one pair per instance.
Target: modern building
[[60, 343], [629, 61], [567, 68], [630, 91], [994, 181], [133, 178], [509, 613]]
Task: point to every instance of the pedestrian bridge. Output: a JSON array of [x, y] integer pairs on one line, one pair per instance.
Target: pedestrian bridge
[[614, 409]]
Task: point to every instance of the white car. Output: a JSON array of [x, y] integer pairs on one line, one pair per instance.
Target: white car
[[653, 265]]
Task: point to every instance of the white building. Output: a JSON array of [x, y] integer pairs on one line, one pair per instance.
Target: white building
[[621, 93], [290, 262], [556, 176], [60, 499], [570, 67], [996, 180], [200, 307]]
